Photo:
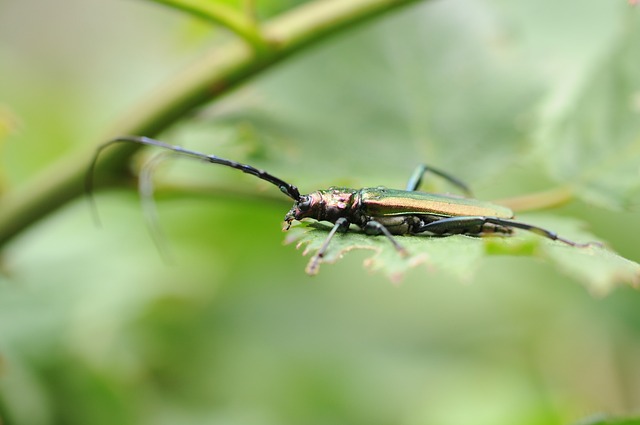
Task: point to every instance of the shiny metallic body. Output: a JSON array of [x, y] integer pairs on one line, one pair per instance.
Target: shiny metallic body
[[400, 211]]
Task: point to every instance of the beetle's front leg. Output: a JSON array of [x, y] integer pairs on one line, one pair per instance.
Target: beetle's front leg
[[341, 225], [373, 227]]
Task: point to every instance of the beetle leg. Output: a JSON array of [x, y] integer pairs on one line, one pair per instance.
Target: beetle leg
[[460, 224], [374, 228], [419, 172], [341, 225]]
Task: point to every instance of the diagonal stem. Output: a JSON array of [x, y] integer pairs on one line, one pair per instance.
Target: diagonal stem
[[539, 200], [214, 74]]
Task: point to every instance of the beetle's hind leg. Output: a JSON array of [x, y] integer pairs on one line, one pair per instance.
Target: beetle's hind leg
[[475, 225], [416, 179]]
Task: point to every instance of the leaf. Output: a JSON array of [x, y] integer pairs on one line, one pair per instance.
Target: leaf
[[596, 267], [591, 138]]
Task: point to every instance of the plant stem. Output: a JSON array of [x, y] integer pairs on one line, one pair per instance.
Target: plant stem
[[216, 73], [243, 25], [538, 200]]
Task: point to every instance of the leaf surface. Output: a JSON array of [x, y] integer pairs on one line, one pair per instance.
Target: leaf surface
[[598, 268]]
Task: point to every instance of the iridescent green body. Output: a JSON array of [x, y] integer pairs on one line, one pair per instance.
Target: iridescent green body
[[398, 211]]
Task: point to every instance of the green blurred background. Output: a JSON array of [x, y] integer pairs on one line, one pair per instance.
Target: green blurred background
[[96, 329]]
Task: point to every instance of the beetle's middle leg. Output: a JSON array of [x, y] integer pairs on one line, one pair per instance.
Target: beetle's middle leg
[[416, 179], [373, 227]]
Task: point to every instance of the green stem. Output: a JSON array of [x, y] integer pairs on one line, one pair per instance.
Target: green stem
[[539, 200], [243, 25], [216, 73]]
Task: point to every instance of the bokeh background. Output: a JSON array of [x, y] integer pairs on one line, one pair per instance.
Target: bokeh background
[[96, 329]]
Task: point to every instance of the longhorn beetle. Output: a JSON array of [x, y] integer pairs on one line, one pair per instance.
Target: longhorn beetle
[[376, 210]]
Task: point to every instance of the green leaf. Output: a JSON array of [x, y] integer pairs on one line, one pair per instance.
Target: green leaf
[[588, 140], [596, 267]]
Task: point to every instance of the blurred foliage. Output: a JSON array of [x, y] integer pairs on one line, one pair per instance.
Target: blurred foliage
[[603, 420], [8, 125], [593, 131], [514, 97]]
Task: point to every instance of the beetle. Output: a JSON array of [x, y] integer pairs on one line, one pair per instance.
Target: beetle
[[376, 210]]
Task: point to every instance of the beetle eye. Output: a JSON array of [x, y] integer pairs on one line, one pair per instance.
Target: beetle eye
[[304, 204]]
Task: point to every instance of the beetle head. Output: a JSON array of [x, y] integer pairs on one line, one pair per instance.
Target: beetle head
[[304, 206]]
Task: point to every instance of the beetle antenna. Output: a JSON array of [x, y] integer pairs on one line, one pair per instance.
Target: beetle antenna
[[288, 189]]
